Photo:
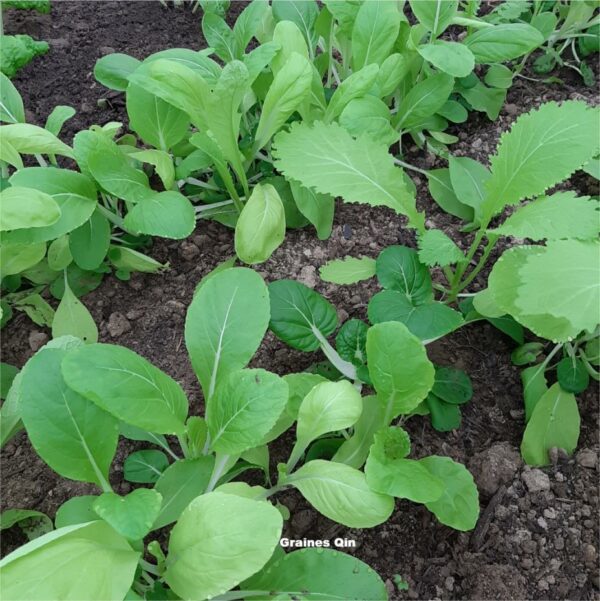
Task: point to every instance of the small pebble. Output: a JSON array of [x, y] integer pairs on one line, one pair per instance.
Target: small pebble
[[536, 480], [118, 325], [587, 458], [37, 340]]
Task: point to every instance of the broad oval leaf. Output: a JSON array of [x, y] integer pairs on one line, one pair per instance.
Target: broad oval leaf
[[145, 466], [225, 324], [209, 555], [128, 386], [572, 375], [348, 270], [72, 318], [317, 208], [301, 12], [435, 15], [260, 227], [353, 87], [89, 242], [450, 57], [319, 573], [26, 208], [113, 70], [342, 494], [76, 510], [399, 368], [94, 549], [71, 434], [452, 385], [243, 410], [299, 315], [468, 178], [398, 268], [503, 42], [31, 139], [11, 103]]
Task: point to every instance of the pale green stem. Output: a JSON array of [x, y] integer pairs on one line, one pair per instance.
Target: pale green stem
[[217, 472]]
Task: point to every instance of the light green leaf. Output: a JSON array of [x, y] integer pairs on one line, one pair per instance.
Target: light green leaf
[[355, 86], [499, 76], [60, 558], [89, 242], [31, 139], [301, 12], [113, 70], [348, 270], [145, 466], [328, 159], [531, 157], [458, 507], [11, 103], [392, 71], [156, 121], [225, 324], [205, 559], [9, 154], [468, 178], [561, 215], [179, 485], [317, 208], [435, 15], [57, 118], [261, 225], [436, 248], [219, 36], [244, 408], [32, 523], [26, 208], [128, 259], [503, 42], [247, 24], [289, 40], [399, 368], [450, 57], [442, 191], [423, 100], [196, 60], [371, 116], [73, 192], [534, 387], [289, 89], [554, 422], [299, 314], [128, 386], [131, 516], [428, 321], [375, 30], [166, 214], [484, 99], [342, 494], [318, 574], [72, 318], [162, 162], [71, 434], [76, 510], [59, 255]]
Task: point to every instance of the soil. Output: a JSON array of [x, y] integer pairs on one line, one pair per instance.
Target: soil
[[537, 537]]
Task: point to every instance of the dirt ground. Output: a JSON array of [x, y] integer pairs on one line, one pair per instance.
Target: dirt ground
[[537, 537]]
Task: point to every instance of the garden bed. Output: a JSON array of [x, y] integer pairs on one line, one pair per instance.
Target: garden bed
[[537, 536]]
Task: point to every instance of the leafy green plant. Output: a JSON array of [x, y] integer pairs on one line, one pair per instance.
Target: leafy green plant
[[75, 400], [16, 51], [543, 147]]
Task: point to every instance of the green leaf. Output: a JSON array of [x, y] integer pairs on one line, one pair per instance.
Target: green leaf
[[73, 192], [348, 270], [243, 409], [247, 24], [503, 42], [371, 116], [444, 416], [59, 255], [534, 387], [435, 15], [353, 87], [452, 385], [31, 139], [319, 574], [76, 510], [225, 324], [27, 208], [167, 214], [423, 100], [458, 507], [131, 516], [145, 466], [572, 375], [328, 159], [388, 472], [442, 191], [351, 341], [89, 242], [162, 162], [260, 227], [299, 313], [328, 407], [452, 58], [72, 318], [58, 117], [205, 560], [531, 157], [128, 259], [554, 422], [289, 39], [113, 70], [179, 485], [32, 523], [60, 558], [398, 268], [219, 36], [561, 215], [317, 208], [72, 435], [7, 376], [342, 494], [11, 103], [128, 386], [428, 321], [484, 99], [289, 89], [468, 178], [399, 368], [499, 76], [301, 12], [436, 248]]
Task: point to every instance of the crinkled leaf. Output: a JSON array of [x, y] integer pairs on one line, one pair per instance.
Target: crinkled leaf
[[436, 248]]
